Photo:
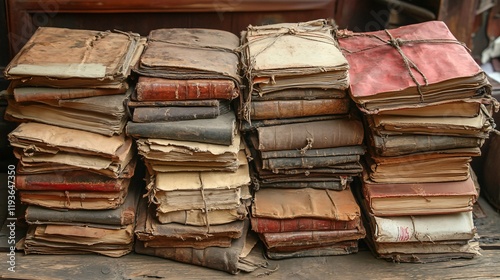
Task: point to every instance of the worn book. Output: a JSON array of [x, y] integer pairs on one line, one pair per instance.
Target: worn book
[[125, 214], [397, 145], [199, 190], [387, 125], [220, 130], [311, 135], [468, 108], [75, 180], [277, 109], [191, 53], [423, 228], [204, 218], [392, 199], [105, 115], [263, 225], [70, 240], [414, 68], [232, 260], [169, 114], [310, 238], [73, 58], [41, 143], [30, 94], [336, 249], [300, 94], [305, 203], [87, 200], [421, 168], [159, 89]]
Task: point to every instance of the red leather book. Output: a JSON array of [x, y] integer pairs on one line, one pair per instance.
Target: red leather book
[[160, 89], [301, 224]]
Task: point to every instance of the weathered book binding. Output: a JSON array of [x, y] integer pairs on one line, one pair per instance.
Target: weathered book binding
[[336, 249], [159, 89], [263, 225], [278, 109], [61, 57]]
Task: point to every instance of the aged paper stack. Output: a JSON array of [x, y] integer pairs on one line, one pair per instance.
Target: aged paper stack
[[427, 107], [304, 143], [185, 129], [75, 163]]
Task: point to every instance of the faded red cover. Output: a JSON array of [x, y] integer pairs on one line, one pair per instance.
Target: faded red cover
[[301, 224], [438, 61], [160, 89], [310, 238]]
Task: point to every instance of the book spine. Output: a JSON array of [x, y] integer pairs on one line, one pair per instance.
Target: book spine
[[34, 94], [309, 238], [164, 114], [46, 182], [300, 224], [306, 162], [300, 94], [330, 185], [341, 248], [312, 135], [153, 90], [352, 150], [298, 108]]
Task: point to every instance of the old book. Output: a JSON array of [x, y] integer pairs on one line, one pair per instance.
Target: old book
[[402, 199], [461, 108], [246, 126], [420, 61], [310, 238], [159, 89], [478, 126], [61, 57], [199, 190], [76, 180], [199, 54], [262, 225], [300, 94], [305, 203], [105, 115], [231, 260], [125, 214], [220, 130], [25, 94], [307, 162], [424, 228], [68, 239], [326, 152], [311, 135], [336, 249], [198, 217], [279, 56], [326, 183], [276, 109], [168, 114], [178, 103], [74, 200], [397, 145]]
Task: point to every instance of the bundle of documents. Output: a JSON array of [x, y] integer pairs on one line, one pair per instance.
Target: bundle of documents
[[427, 110]]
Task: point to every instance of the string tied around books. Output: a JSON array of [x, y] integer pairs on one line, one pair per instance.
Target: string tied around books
[[397, 43]]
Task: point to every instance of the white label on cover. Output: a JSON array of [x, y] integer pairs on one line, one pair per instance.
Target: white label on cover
[[61, 70]]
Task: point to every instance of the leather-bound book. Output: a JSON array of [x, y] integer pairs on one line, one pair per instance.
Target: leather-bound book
[[311, 135], [300, 94], [277, 109], [426, 66], [336, 249], [169, 114], [159, 89], [220, 130], [419, 199], [263, 225], [25, 94]]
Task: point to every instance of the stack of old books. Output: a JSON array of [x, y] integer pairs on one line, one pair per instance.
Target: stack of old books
[[75, 162], [186, 133], [304, 143], [427, 108]]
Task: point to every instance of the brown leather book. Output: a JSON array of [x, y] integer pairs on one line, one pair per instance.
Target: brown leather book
[[310, 238], [24, 94], [276, 109], [169, 114], [263, 225], [300, 94], [159, 89], [311, 135], [419, 199], [336, 249]]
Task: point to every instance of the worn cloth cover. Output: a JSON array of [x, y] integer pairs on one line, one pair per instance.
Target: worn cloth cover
[[61, 57], [410, 66]]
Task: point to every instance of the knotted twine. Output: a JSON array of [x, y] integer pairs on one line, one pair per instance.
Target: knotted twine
[[397, 43]]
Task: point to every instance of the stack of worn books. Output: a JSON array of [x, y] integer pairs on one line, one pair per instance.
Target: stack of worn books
[[305, 144], [185, 129], [428, 109], [75, 163]]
